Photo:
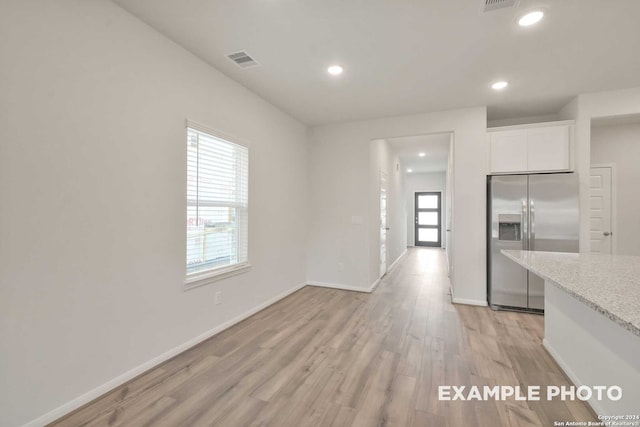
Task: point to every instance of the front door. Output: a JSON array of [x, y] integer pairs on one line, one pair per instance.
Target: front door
[[428, 215]]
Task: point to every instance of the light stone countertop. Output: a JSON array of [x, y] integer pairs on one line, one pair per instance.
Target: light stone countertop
[[610, 284]]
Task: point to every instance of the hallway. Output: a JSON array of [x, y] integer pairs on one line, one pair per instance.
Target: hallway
[[327, 357]]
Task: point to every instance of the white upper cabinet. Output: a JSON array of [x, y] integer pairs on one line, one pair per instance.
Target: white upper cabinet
[[548, 148], [508, 151], [543, 147]]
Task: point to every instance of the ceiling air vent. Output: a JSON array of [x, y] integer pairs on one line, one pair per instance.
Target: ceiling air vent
[[242, 59], [491, 5]]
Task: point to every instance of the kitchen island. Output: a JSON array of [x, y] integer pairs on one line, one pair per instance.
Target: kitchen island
[[592, 321]]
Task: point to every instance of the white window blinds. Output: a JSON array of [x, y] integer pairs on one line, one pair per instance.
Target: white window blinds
[[217, 203]]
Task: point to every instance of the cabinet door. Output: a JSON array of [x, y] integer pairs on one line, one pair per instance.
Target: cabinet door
[[548, 148], [508, 151]]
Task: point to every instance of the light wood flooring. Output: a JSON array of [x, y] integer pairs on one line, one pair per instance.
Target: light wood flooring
[[326, 357]]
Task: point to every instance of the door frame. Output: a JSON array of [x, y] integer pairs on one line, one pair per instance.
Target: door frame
[[384, 227], [614, 203], [416, 210]]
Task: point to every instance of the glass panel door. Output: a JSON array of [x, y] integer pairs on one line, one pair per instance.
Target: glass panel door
[[428, 214]]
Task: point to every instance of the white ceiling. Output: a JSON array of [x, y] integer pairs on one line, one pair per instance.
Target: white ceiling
[[435, 146], [408, 56]]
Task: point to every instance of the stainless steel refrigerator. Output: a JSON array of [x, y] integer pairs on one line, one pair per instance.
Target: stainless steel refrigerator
[[528, 212]]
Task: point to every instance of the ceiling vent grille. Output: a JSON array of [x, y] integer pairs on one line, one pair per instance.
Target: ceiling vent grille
[[242, 59], [491, 5]]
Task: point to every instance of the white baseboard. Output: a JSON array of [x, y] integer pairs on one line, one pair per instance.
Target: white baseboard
[[395, 263], [391, 267], [446, 257], [595, 406], [466, 301], [129, 375], [343, 287], [355, 288]]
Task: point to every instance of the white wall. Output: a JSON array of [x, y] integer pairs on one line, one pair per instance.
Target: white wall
[[418, 182], [340, 179], [620, 144], [92, 199], [583, 109]]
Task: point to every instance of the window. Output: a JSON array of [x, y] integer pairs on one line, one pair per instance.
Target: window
[[217, 206]]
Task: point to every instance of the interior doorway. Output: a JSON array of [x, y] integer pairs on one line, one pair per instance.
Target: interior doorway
[[428, 219], [400, 167]]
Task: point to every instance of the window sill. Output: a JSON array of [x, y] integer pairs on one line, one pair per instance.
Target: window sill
[[207, 277]]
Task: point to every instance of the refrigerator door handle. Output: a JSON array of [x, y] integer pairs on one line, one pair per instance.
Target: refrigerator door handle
[[524, 228], [532, 226]]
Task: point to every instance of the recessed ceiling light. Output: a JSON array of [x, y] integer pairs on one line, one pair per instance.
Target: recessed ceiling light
[[409, 170], [499, 85], [531, 18], [422, 154], [335, 70]]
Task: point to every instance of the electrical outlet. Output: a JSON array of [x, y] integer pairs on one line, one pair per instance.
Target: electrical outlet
[[340, 266], [218, 298]]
